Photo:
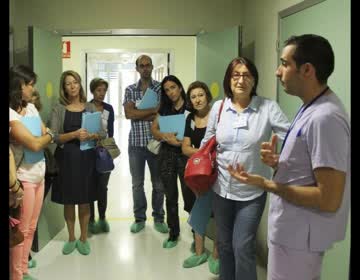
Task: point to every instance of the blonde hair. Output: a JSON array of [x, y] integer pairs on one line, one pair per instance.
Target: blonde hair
[[63, 96]]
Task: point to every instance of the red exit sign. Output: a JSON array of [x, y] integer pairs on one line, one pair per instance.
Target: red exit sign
[[66, 49]]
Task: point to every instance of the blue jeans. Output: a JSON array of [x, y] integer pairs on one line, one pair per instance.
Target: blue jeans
[[137, 158], [236, 226]]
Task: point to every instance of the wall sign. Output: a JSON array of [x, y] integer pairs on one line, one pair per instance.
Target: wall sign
[[66, 49]]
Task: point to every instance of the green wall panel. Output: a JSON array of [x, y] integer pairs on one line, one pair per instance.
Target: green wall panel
[[330, 19], [214, 51], [45, 52]]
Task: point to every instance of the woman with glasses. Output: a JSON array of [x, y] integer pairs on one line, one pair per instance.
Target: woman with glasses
[[245, 122], [28, 137]]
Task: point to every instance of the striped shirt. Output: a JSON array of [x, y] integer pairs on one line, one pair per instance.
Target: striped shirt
[[140, 133]]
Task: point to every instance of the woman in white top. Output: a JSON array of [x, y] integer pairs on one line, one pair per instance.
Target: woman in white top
[[30, 166]]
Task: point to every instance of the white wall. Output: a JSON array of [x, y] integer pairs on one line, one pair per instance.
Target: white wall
[[182, 49]]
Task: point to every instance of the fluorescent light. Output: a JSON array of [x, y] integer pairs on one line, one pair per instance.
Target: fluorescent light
[[92, 32]]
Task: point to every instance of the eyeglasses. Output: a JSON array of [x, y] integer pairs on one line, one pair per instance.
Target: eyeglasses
[[142, 66], [237, 76]]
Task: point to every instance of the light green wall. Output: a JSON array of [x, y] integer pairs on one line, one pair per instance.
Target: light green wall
[[210, 15], [182, 50], [260, 29]]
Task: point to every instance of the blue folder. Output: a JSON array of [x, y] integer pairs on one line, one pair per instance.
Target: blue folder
[[173, 123], [33, 124], [149, 100], [92, 123]]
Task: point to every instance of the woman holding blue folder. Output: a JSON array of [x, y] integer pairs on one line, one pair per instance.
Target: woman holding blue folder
[[25, 123], [98, 88], [75, 183], [171, 160]]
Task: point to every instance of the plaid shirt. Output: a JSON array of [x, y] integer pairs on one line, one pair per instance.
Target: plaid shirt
[[140, 130]]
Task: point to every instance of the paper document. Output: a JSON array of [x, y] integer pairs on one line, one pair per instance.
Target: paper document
[[33, 124], [92, 123], [149, 100], [173, 123]]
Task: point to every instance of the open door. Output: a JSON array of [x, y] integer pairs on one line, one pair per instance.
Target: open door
[[214, 51], [45, 54], [314, 18]]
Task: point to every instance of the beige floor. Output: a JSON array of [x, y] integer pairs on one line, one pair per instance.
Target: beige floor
[[121, 254]]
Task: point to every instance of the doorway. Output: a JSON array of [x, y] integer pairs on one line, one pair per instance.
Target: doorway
[[118, 69]]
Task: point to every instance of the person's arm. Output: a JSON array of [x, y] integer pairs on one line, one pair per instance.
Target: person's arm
[[268, 153], [212, 122], [131, 112], [169, 138], [56, 124], [16, 192], [136, 114], [187, 148], [326, 195], [280, 125], [23, 136], [110, 123]]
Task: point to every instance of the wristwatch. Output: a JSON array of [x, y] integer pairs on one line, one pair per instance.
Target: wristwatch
[[48, 131]]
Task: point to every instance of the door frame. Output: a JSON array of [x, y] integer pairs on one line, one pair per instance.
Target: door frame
[[283, 14]]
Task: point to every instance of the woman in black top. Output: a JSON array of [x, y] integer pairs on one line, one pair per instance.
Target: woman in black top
[[171, 160], [199, 97]]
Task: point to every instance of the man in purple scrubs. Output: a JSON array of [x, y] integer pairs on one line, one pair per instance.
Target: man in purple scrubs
[[310, 200]]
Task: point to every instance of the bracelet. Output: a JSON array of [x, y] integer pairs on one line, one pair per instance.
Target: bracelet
[[13, 185], [17, 189]]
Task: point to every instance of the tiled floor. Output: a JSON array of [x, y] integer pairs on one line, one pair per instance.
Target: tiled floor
[[120, 254]]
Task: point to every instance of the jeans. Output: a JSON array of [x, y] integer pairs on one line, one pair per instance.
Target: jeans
[[172, 165], [102, 180], [137, 158], [236, 224]]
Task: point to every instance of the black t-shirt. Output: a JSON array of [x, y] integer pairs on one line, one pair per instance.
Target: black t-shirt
[[194, 133]]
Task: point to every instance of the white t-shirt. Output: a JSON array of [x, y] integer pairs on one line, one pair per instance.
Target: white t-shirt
[[34, 172]]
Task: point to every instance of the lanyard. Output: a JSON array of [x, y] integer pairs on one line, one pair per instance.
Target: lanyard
[[299, 114]]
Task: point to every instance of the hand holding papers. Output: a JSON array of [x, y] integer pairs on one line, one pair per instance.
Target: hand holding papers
[[149, 100], [33, 124], [174, 124], [92, 123]]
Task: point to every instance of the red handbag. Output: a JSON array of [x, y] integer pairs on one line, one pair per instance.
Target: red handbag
[[201, 168]]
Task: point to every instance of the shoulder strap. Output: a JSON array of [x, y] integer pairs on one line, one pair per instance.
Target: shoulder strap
[[220, 109]]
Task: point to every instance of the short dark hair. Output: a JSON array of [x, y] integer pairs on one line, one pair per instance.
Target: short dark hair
[[165, 102], [316, 50], [140, 57], [249, 65], [194, 85], [19, 75], [97, 82]]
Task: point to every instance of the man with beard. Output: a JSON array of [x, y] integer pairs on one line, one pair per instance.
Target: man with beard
[[139, 137]]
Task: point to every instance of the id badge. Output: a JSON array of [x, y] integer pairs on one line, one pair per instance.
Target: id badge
[[241, 121]]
